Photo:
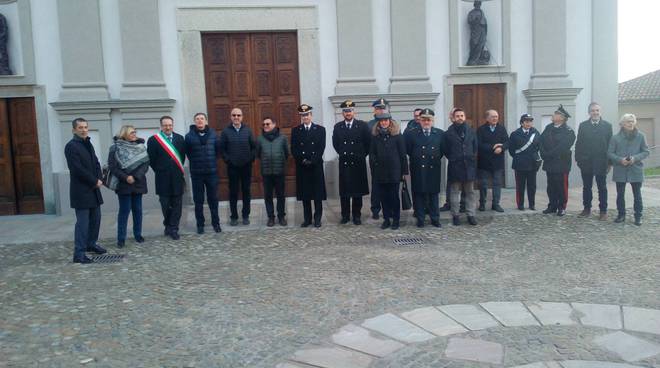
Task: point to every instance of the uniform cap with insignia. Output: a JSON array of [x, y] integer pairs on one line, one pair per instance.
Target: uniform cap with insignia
[[427, 113], [526, 117], [347, 105], [380, 103], [383, 116], [304, 109], [560, 110]]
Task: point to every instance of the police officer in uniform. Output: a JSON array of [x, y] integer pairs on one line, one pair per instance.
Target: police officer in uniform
[[380, 108], [556, 142], [351, 138], [424, 147], [307, 146]]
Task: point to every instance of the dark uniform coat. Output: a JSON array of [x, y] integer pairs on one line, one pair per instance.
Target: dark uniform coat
[[486, 138], [307, 149], [352, 146], [591, 146], [556, 146], [169, 178], [529, 158], [460, 148], [425, 154], [85, 172]]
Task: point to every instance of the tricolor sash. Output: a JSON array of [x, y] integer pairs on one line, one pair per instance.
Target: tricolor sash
[[170, 149]]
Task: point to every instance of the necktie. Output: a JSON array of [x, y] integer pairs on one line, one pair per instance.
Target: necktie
[[427, 132], [169, 138], [348, 125]]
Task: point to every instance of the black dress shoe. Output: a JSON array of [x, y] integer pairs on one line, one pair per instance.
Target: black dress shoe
[[317, 223], [283, 222], [521, 208], [620, 218], [121, 243], [472, 220], [344, 220], [200, 229], [233, 222], [246, 221], [532, 208], [271, 222], [175, 235], [549, 210], [497, 208], [82, 260], [96, 249], [217, 228], [446, 207], [638, 221], [395, 225], [482, 207], [456, 220], [375, 216], [166, 232], [139, 239], [357, 221], [561, 213], [436, 223], [385, 224], [306, 224], [420, 223]]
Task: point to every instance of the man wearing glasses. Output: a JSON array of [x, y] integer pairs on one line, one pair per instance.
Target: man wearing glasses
[[238, 148]]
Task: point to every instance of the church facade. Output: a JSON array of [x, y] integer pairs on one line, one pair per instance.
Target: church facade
[[117, 62]]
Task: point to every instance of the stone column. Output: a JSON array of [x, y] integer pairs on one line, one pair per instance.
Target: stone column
[[141, 50], [604, 61], [549, 38], [408, 22], [355, 47], [83, 76]]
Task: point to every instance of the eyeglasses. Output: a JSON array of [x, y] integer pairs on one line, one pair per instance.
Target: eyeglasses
[[267, 124], [236, 115], [132, 132]]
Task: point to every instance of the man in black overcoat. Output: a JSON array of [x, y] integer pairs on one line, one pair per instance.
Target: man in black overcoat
[[380, 107], [166, 157], [350, 138], [593, 139], [556, 142], [460, 145], [84, 191], [307, 147], [493, 143]]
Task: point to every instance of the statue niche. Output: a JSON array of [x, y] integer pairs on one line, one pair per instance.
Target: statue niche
[[4, 54], [479, 54]]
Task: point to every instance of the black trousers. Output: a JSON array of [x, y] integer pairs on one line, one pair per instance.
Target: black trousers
[[375, 198], [171, 207], [587, 184], [389, 195], [347, 209], [525, 179], [274, 182], [637, 197], [88, 223], [307, 210], [239, 178], [557, 190], [426, 202], [208, 184]]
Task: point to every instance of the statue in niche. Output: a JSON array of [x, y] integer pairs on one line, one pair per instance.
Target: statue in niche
[[4, 54], [479, 54]]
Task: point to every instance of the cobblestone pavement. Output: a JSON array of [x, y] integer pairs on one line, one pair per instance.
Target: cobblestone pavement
[[258, 298]]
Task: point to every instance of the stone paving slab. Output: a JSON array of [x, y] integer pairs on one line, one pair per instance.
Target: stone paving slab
[[434, 321], [629, 348], [592, 364], [641, 319], [397, 328], [551, 313], [540, 365], [475, 350], [332, 358], [599, 315], [469, 316], [360, 339], [287, 365], [510, 314]]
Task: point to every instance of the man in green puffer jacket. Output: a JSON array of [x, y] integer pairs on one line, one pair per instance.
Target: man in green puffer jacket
[[273, 151]]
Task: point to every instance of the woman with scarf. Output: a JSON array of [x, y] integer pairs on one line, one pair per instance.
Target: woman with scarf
[[387, 158], [626, 151], [272, 151], [128, 161]]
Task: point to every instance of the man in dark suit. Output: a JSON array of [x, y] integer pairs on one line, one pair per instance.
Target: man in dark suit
[[593, 138], [493, 143], [84, 191], [166, 157], [425, 149], [351, 138], [556, 142], [460, 144], [307, 146]]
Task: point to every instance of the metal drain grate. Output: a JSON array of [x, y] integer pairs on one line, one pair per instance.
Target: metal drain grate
[[108, 258], [407, 242]]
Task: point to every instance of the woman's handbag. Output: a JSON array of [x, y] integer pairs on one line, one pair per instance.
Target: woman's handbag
[[406, 203], [109, 181]]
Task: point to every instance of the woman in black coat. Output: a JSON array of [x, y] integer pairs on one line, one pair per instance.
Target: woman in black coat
[[128, 162], [387, 158], [524, 149]]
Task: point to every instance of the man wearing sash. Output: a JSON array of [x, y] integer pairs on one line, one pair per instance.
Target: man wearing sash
[[166, 157], [524, 149]]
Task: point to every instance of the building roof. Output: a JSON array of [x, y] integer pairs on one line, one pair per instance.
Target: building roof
[[641, 89]]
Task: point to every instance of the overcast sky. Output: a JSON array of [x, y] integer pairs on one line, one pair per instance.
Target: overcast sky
[[639, 38]]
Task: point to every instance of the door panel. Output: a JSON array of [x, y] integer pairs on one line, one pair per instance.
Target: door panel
[[258, 73], [7, 189]]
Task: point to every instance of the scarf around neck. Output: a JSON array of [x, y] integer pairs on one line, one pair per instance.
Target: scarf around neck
[[130, 155]]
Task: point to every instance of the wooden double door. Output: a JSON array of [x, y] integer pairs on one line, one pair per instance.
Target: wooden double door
[[258, 73], [21, 189]]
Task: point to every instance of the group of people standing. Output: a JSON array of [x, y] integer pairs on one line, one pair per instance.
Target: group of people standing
[[393, 157]]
